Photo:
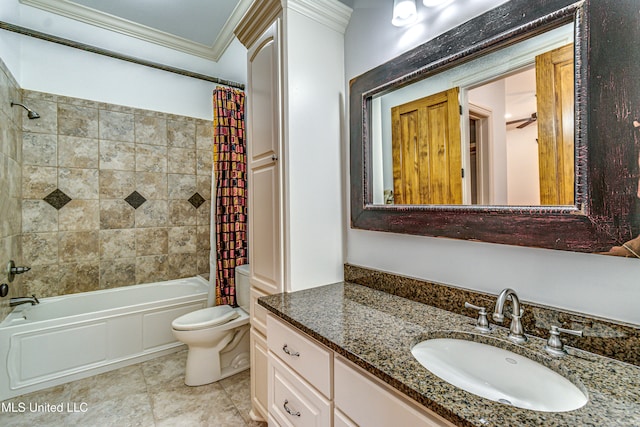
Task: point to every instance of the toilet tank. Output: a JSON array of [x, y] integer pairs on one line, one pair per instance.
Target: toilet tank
[[242, 286]]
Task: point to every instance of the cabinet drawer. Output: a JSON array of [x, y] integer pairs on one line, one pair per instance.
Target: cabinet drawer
[[368, 402], [310, 360], [258, 313], [293, 402]]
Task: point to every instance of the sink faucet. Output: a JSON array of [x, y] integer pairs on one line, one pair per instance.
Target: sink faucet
[[516, 332], [23, 300]]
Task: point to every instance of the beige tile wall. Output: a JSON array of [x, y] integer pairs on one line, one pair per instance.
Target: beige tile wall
[[10, 181], [98, 154]]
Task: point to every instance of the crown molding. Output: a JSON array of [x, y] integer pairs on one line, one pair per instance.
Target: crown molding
[[255, 22], [330, 13], [110, 22], [262, 13], [111, 54], [226, 35]]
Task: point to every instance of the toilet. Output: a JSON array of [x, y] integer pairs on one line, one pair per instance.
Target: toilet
[[217, 337]]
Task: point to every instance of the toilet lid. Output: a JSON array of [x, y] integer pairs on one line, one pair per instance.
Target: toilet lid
[[205, 318]]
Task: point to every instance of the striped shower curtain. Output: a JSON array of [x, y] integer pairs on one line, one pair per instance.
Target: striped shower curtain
[[230, 180]]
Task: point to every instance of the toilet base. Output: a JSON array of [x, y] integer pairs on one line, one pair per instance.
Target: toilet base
[[199, 379], [208, 365]]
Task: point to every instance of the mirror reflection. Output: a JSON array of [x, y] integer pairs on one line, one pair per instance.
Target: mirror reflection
[[497, 130]]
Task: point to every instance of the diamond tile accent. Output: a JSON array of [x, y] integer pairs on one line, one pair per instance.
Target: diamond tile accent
[[135, 199], [196, 200], [57, 199]]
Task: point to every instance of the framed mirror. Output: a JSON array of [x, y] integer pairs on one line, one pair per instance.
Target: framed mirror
[[435, 153]]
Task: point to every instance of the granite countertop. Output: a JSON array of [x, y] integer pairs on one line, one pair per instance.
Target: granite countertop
[[376, 331]]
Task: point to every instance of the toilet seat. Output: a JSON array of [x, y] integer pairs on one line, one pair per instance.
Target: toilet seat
[[205, 318]]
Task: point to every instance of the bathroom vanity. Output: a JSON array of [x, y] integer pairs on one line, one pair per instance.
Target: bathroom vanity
[[309, 385], [343, 352]]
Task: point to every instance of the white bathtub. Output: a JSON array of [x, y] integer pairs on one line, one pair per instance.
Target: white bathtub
[[75, 336]]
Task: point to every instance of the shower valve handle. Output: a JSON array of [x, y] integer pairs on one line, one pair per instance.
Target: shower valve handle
[[12, 270]]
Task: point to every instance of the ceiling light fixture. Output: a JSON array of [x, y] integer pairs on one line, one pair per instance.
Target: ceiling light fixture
[[404, 12]]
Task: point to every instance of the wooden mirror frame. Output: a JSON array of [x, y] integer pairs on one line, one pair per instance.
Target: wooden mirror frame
[[606, 167]]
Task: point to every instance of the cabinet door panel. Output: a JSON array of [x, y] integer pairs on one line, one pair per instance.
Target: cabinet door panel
[[341, 420], [258, 313], [264, 245], [264, 102], [259, 386], [367, 402], [263, 131]]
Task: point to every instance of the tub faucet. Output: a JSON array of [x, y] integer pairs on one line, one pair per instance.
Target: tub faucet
[[23, 300], [516, 332]]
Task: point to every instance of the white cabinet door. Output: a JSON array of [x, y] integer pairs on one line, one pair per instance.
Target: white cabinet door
[[341, 420], [367, 402], [259, 386], [264, 171], [258, 314]]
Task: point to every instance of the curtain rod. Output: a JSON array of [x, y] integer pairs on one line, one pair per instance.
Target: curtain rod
[[88, 48]]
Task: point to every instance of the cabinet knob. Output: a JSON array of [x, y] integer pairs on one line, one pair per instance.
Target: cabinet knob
[[274, 157], [289, 410], [285, 348]]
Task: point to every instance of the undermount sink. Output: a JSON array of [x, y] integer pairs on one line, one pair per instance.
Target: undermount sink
[[499, 375]]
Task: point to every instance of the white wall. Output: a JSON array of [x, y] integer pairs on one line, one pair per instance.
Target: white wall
[[48, 67], [491, 96], [312, 152], [594, 284], [9, 42], [523, 174]]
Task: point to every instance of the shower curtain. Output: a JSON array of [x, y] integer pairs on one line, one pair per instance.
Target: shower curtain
[[230, 181]]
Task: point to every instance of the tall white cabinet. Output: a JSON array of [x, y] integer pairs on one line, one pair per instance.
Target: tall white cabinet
[[295, 134]]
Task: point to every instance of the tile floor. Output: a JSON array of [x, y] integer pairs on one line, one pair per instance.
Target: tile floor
[[150, 393]]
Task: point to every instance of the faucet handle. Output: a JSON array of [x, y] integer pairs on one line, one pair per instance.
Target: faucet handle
[[482, 323], [555, 346]]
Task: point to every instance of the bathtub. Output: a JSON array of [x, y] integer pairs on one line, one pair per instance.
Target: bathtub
[[74, 336]]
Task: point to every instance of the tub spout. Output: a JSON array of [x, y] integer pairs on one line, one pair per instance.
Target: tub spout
[[23, 300]]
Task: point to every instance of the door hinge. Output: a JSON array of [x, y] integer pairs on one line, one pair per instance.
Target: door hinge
[[460, 109], [462, 171]]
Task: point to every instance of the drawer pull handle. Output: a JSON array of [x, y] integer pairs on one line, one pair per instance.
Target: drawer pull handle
[[285, 348], [289, 411]]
